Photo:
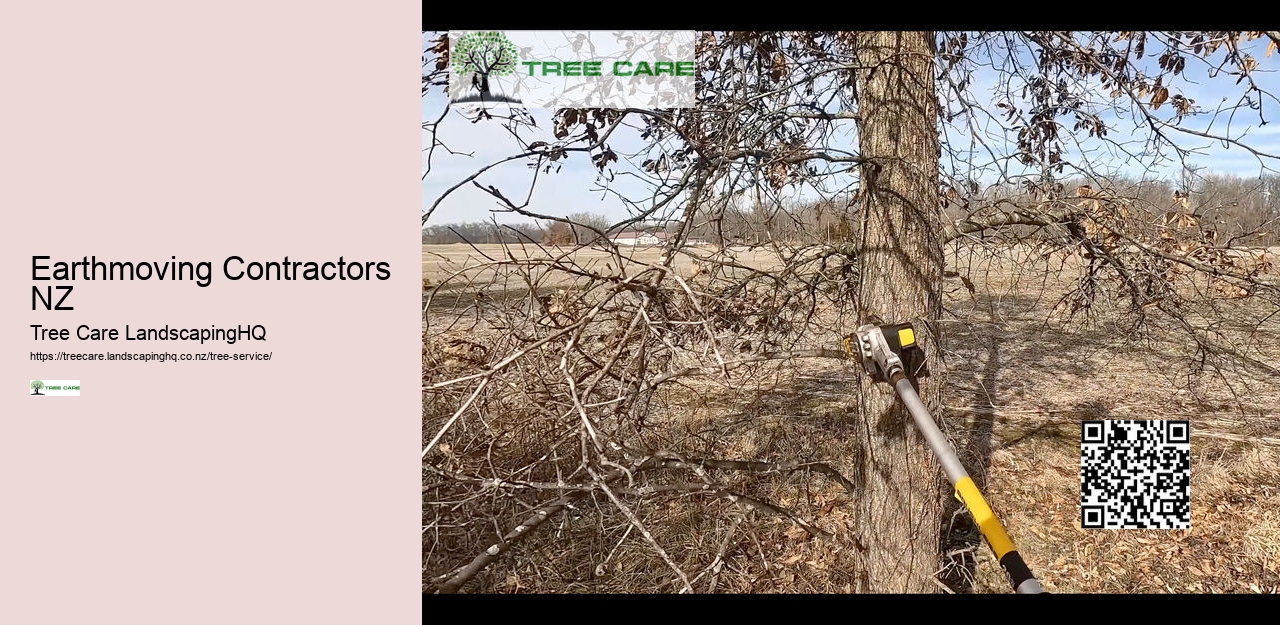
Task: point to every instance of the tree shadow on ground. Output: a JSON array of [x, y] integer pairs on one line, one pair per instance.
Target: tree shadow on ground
[[990, 366]]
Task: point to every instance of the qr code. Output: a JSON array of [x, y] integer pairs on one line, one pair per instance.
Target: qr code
[[1135, 474]]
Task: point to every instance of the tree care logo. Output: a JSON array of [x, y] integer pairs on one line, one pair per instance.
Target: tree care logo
[[572, 69], [484, 55], [54, 388]]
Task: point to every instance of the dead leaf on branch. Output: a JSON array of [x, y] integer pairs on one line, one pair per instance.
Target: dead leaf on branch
[[779, 68], [1161, 94]]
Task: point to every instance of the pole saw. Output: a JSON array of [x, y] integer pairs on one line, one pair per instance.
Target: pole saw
[[889, 353]]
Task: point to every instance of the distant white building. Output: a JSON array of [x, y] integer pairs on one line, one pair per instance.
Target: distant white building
[[638, 237], [635, 237]]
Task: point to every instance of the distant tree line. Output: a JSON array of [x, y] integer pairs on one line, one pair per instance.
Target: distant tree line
[[1242, 211], [575, 229], [1236, 206], [481, 232]]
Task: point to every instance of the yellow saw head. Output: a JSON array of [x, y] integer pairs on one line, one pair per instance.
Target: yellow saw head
[[886, 349]]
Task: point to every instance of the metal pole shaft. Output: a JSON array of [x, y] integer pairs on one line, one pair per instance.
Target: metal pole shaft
[[1019, 574], [932, 435]]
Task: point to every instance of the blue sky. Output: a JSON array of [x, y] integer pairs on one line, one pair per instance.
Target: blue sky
[[573, 188]]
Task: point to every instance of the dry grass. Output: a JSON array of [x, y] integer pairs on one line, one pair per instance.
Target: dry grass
[[1015, 391]]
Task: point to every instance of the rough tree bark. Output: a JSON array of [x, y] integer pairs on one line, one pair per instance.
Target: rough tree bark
[[901, 268]]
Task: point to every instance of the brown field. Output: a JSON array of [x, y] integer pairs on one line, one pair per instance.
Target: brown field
[[1016, 385]]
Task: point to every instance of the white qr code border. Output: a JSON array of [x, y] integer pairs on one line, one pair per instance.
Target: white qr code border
[[1135, 474]]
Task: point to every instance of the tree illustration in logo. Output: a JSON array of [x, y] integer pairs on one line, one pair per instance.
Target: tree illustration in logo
[[36, 385], [484, 54]]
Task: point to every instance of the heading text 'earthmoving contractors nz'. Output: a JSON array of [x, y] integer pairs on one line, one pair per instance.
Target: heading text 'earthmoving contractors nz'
[[234, 268]]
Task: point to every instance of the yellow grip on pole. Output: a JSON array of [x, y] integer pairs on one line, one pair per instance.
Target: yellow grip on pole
[[988, 524]]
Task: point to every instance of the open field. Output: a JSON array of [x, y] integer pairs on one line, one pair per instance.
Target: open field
[[1017, 382]]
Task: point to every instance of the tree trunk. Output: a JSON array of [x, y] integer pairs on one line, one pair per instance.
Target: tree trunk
[[899, 515]]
